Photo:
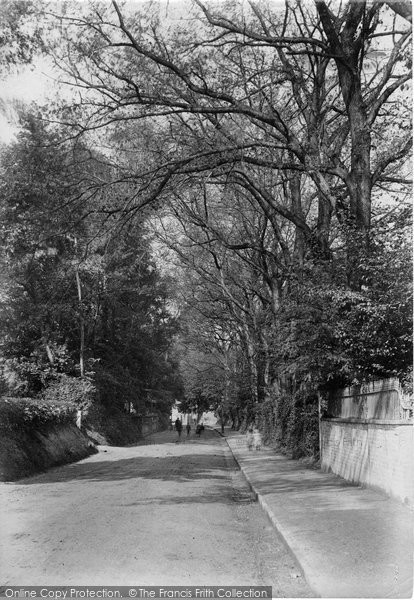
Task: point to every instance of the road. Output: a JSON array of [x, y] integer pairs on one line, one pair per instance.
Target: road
[[160, 513]]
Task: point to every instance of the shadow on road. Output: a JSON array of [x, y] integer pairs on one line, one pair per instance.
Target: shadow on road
[[215, 494], [179, 468], [171, 436]]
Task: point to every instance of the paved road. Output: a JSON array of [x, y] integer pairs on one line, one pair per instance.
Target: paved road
[[164, 513]]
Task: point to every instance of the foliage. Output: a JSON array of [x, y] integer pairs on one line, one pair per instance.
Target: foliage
[[133, 329], [203, 380], [20, 33], [115, 389], [291, 423], [28, 375], [111, 425], [70, 391], [27, 413], [335, 336], [406, 380], [268, 149], [76, 295], [39, 296]]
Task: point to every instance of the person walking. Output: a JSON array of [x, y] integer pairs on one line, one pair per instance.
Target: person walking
[[249, 438], [178, 426], [257, 439], [188, 427]]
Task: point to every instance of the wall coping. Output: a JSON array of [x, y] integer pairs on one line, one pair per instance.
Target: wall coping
[[369, 421], [373, 387]]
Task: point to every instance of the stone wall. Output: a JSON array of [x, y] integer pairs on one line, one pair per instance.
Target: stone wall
[[368, 438], [151, 424], [382, 399]]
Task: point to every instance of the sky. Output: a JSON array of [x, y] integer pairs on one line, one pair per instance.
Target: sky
[[32, 84], [35, 83]]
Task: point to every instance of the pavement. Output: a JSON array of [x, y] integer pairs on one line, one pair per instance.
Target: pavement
[[350, 541]]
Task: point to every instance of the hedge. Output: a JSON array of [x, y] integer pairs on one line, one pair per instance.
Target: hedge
[[57, 404], [27, 413]]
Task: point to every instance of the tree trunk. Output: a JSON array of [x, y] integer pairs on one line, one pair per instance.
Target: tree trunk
[[251, 361], [359, 179], [346, 47], [82, 324]]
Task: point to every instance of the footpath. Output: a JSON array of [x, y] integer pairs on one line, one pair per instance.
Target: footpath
[[351, 542]]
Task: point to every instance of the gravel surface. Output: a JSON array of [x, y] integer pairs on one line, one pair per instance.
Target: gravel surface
[[165, 512]]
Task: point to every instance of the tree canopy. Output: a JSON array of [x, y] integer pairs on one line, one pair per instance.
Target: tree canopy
[[256, 153]]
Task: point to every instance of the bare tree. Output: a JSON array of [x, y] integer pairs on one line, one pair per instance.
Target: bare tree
[[297, 95]]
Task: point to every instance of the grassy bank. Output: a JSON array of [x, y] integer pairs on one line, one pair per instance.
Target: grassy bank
[[37, 435]]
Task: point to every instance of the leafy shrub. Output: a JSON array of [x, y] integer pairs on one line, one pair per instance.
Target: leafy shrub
[[70, 391], [26, 376], [27, 413], [291, 422], [406, 381], [302, 437], [111, 425]]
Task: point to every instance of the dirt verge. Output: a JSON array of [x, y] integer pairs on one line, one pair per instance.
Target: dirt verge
[[25, 452]]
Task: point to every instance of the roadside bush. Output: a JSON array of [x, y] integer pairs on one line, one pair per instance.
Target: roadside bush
[[28, 413], [303, 425], [28, 376], [116, 387], [71, 391], [112, 426], [290, 422], [266, 420]]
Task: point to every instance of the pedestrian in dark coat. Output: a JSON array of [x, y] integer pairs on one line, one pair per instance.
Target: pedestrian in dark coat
[[200, 429], [178, 426]]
